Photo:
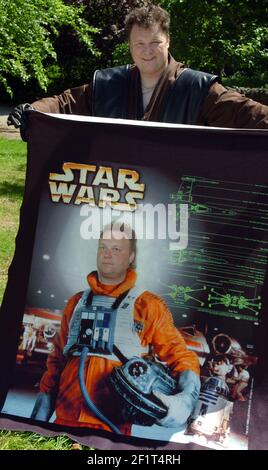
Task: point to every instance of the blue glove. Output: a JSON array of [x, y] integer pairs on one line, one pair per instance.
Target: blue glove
[[44, 406], [181, 405]]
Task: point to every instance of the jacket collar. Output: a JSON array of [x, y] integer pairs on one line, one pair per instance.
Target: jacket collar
[[111, 290]]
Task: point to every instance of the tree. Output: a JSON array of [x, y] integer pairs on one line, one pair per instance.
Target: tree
[[28, 29], [108, 17], [222, 36]]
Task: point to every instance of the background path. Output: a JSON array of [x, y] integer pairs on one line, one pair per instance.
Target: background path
[[7, 131]]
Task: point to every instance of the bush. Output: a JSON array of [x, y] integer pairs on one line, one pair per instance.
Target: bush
[[28, 29]]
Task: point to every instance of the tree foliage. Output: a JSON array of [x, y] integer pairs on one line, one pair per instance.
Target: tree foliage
[[220, 36], [28, 29], [223, 36], [108, 17], [55, 42]]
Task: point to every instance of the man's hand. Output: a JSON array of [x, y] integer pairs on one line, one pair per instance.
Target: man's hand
[[181, 405], [44, 407], [179, 409], [17, 116]]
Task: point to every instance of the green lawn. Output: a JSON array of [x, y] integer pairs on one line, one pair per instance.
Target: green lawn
[[12, 171], [30, 441], [12, 174]]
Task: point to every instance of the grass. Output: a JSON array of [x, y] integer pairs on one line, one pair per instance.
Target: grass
[[30, 441], [12, 177]]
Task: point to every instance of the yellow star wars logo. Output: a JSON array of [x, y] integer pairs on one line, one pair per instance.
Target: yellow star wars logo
[[97, 186]]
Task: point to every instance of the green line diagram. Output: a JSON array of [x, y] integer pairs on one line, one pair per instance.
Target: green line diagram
[[222, 271], [237, 301], [183, 294]]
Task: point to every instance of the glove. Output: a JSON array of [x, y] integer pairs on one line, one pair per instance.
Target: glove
[[181, 405], [44, 407], [18, 118]]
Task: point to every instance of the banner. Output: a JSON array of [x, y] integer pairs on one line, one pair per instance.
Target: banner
[[197, 201]]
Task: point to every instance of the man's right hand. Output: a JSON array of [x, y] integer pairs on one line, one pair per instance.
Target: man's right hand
[[17, 116], [18, 119]]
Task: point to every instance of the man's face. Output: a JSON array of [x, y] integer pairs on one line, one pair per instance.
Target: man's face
[[113, 259], [149, 49]]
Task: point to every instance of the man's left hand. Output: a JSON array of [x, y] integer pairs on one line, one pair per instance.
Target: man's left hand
[[179, 407]]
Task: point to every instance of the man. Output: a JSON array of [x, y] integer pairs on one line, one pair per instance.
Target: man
[[155, 88], [141, 324], [241, 382]]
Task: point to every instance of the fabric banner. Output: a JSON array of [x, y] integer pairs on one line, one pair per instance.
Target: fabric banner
[[197, 199]]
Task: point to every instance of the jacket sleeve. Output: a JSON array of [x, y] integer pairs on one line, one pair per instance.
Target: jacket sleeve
[[160, 331], [228, 108], [56, 360], [73, 101]]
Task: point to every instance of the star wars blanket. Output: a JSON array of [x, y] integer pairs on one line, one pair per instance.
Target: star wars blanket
[[197, 199]]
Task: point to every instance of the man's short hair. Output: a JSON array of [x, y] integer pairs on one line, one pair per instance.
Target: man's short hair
[[127, 232], [145, 17]]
